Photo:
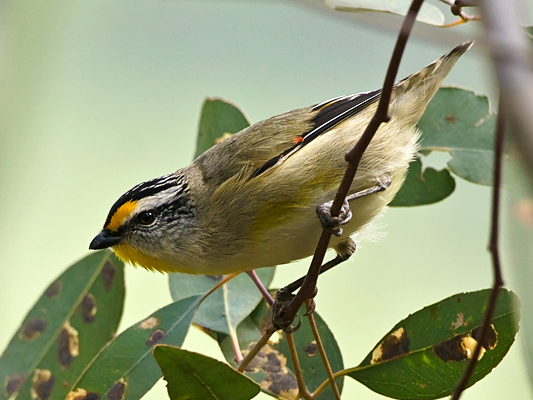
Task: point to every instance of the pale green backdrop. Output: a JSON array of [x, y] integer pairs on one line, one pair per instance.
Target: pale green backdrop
[[99, 95]]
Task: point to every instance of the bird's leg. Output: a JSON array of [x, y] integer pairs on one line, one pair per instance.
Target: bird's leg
[[344, 250], [264, 291], [333, 224]]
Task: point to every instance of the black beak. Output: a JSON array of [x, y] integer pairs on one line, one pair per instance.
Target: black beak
[[104, 240]]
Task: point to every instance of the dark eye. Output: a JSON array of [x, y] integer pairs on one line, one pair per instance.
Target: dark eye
[[146, 217]]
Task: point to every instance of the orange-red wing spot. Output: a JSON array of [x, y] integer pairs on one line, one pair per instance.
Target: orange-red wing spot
[[297, 139]]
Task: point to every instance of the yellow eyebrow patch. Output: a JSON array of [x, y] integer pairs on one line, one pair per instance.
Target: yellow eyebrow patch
[[121, 214]]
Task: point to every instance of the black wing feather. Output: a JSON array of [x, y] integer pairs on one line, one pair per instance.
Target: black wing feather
[[330, 113]]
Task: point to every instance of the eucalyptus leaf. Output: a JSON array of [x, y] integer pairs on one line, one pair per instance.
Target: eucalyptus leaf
[[459, 122], [421, 188], [74, 318], [428, 14], [218, 118], [193, 376], [272, 367], [126, 369], [424, 355], [225, 308]]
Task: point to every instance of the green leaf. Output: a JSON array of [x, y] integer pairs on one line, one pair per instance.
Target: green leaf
[[425, 355], [194, 376], [424, 188], [429, 13], [272, 368], [74, 318], [126, 369], [218, 118], [225, 308], [458, 121]]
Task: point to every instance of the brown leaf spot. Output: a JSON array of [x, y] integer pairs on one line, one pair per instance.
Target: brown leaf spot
[[394, 345], [34, 328], [54, 289], [311, 349], [117, 390], [43, 384], [149, 323], [490, 341], [108, 275], [273, 362], [451, 119], [458, 300], [284, 386], [156, 337], [82, 394], [278, 379], [14, 382], [67, 345], [422, 385], [458, 348], [450, 350], [88, 308]]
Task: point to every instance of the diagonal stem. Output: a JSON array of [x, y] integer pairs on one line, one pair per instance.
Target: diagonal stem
[[258, 346], [353, 157], [321, 349], [302, 389], [493, 248]]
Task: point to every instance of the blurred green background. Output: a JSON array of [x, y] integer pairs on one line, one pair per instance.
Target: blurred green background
[[100, 95]]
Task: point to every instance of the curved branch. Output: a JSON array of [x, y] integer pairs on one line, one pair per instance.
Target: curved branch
[[353, 157]]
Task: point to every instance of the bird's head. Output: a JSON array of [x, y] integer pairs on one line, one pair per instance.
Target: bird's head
[[146, 223]]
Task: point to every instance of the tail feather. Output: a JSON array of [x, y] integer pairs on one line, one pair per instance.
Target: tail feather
[[412, 95]]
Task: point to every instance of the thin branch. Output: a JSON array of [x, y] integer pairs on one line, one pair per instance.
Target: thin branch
[[258, 346], [353, 157], [493, 248], [302, 389], [325, 384], [321, 349]]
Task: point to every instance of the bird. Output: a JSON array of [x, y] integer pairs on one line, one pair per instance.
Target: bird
[[252, 200]]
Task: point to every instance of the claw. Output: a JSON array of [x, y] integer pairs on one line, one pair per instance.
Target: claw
[[330, 223], [278, 309]]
